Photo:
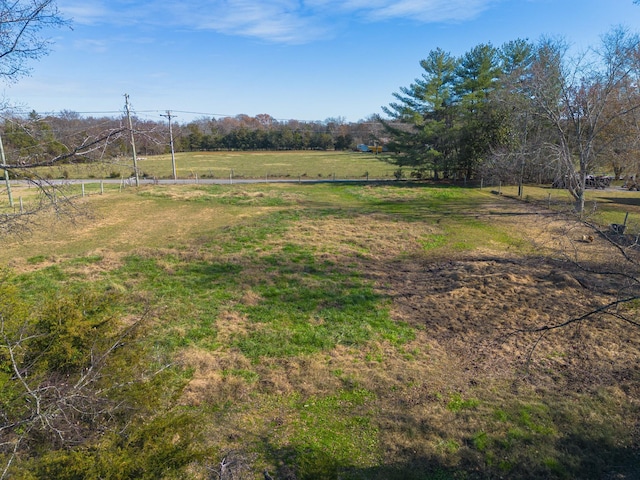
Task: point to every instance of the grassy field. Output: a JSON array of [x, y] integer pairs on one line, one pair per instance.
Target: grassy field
[[603, 207], [360, 331], [285, 164]]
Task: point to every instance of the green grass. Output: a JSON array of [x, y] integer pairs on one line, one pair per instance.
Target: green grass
[[336, 433], [457, 403], [37, 259], [223, 165]]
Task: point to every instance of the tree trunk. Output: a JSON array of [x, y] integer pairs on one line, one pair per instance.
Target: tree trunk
[[579, 191]]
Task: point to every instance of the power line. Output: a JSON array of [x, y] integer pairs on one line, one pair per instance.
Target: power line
[[150, 113]]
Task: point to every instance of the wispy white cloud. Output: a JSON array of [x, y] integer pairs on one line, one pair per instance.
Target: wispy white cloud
[[429, 11], [416, 10], [274, 20], [287, 21], [84, 12]]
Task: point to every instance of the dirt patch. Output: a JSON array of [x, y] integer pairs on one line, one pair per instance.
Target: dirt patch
[[479, 310]]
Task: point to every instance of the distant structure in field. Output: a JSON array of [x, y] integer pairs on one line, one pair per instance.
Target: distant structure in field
[[371, 148]]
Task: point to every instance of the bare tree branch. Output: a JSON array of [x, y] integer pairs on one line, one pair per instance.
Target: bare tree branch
[[21, 40]]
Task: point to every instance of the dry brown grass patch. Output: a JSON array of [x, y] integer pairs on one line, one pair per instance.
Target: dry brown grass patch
[[209, 383], [372, 237], [250, 297], [229, 325], [307, 376]]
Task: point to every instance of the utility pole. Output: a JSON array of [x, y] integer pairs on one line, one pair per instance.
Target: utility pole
[[133, 143], [6, 173], [173, 155]]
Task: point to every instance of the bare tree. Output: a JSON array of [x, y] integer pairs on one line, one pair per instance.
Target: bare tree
[[582, 97]]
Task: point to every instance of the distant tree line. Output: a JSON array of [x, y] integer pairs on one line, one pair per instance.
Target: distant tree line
[[263, 132], [522, 112], [33, 138]]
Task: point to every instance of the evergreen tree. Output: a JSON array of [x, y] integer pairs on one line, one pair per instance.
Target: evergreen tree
[[421, 123], [481, 125], [452, 119]]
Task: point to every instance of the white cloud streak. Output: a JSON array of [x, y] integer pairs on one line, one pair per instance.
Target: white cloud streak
[[430, 11], [84, 12], [276, 20], [282, 21]]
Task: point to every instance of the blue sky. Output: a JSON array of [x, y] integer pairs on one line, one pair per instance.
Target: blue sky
[[291, 59]]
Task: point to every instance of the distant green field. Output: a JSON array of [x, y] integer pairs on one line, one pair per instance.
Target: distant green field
[[289, 164]]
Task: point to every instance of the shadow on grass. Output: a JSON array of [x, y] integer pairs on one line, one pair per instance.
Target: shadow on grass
[[629, 201], [583, 458], [305, 463], [412, 201], [595, 458]]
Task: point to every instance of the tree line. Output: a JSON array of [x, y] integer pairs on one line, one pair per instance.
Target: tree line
[[264, 132], [522, 112], [34, 138]]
